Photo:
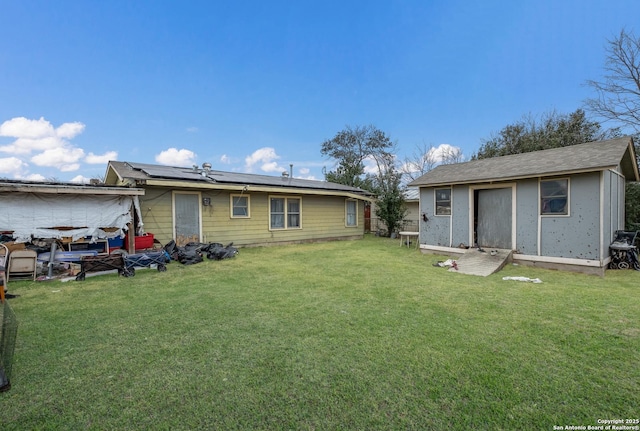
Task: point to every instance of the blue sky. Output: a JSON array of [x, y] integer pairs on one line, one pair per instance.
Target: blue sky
[[254, 86]]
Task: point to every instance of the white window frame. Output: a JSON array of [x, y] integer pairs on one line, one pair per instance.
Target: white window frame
[[286, 212], [540, 197], [435, 201], [346, 212], [232, 205]]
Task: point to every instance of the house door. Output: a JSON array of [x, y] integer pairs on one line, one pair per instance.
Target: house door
[[186, 217], [367, 217], [493, 218]]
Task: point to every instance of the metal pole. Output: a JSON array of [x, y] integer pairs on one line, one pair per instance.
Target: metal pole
[[52, 258]]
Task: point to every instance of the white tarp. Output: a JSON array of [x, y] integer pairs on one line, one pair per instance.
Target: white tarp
[[40, 215]]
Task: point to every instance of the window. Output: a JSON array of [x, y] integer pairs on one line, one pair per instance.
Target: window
[[443, 201], [239, 206], [285, 213], [554, 197], [351, 210]]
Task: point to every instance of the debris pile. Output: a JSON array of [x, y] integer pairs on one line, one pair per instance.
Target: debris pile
[[195, 252]]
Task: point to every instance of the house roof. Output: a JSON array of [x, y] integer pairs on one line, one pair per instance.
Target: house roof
[[589, 157], [412, 194], [141, 173], [50, 187]]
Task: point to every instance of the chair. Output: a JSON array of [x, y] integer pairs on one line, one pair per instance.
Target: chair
[[22, 264]]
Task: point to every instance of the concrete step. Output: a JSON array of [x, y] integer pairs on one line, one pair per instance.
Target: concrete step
[[482, 263]]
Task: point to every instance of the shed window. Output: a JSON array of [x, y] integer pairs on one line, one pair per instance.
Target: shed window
[[285, 213], [443, 201], [554, 197], [239, 206], [351, 212]]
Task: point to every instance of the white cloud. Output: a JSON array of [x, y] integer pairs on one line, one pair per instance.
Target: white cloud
[[51, 145], [65, 159], [271, 167], [28, 145], [12, 166], [304, 173], [442, 151], [70, 130], [175, 157], [33, 177], [192, 129], [21, 127], [95, 159], [264, 157], [370, 166], [225, 159], [80, 179]]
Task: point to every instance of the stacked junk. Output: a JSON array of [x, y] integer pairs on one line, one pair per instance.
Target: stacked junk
[[52, 260], [190, 253]]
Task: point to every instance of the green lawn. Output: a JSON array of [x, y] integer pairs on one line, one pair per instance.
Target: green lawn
[[342, 335]]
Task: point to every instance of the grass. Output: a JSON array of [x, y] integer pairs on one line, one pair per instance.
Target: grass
[[341, 335]]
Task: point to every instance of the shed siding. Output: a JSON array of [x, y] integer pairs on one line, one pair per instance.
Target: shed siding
[[436, 230], [527, 217], [460, 217], [323, 217], [610, 215], [576, 235], [614, 216]]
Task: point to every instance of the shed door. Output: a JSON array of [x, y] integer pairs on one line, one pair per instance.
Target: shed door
[[186, 217], [493, 227]]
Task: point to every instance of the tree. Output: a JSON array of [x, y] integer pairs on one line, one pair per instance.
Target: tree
[[618, 95], [424, 158], [618, 100], [390, 203], [350, 148], [552, 131]]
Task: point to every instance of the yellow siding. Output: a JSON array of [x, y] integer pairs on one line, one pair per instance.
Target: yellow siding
[[323, 217]]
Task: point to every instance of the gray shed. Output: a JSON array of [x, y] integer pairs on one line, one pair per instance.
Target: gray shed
[[554, 208]]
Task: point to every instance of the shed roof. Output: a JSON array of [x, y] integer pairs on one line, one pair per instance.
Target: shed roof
[[141, 172], [589, 157]]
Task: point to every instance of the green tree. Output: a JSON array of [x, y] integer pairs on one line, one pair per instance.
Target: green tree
[[391, 207], [551, 131], [350, 148]]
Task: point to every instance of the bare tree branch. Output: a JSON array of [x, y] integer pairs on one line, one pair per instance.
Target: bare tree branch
[[618, 95]]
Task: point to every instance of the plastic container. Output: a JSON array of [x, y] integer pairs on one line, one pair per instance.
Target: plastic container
[[143, 241]]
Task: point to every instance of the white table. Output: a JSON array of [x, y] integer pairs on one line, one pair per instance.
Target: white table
[[406, 236]]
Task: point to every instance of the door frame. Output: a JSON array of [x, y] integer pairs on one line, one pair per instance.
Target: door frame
[[173, 212], [472, 207]]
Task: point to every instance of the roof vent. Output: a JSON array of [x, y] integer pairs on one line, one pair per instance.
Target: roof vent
[[285, 174]]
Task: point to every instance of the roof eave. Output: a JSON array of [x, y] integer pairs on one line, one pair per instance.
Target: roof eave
[[517, 177], [256, 188]]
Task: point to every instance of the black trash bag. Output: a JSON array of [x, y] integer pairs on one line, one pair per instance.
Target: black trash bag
[[189, 257], [217, 251], [172, 250]]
